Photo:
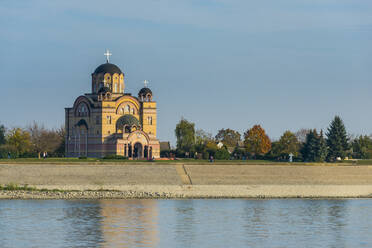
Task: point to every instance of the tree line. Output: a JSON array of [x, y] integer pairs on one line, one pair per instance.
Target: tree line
[[32, 141], [309, 145]]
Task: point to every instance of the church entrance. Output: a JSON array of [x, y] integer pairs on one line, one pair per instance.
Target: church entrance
[[138, 151]]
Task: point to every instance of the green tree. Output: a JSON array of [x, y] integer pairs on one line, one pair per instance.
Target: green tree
[[2, 135], [211, 148], [256, 141], [337, 140], [275, 151], [309, 149], [362, 147], [322, 150], [288, 143], [201, 137], [201, 140], [19, 141], [314, 148], [228, 137], [185, 133]]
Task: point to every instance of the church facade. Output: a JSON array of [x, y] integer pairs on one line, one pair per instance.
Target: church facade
[[110, 121]]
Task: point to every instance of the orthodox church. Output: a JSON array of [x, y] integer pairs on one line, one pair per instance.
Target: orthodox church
[[110, 121]]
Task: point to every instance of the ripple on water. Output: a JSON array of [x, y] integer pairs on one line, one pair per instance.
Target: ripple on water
[[186, 223]]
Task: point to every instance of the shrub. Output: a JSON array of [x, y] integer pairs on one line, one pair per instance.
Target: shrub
[[114, 156], [222, 154]]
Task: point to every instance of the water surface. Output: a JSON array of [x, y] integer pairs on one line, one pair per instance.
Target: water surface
[[186, 223]]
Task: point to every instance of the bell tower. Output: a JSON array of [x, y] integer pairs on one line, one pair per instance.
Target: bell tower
[[148, 110]]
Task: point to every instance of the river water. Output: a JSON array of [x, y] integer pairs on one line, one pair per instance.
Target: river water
[[186, 223]]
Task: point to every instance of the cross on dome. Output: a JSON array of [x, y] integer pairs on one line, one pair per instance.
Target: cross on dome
[[107, 54], [145, 83]]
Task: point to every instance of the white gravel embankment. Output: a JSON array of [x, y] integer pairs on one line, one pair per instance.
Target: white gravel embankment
[[196, 191]]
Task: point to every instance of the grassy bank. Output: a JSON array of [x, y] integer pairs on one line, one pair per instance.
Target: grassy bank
[[14, 187], [26, 187], [183, 161]]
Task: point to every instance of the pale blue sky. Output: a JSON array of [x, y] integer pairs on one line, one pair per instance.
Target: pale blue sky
[[221, 64]]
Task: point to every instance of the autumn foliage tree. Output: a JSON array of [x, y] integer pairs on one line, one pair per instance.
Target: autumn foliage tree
[[256, 141], [18, 141]]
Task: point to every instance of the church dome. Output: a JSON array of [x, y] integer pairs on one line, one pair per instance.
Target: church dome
[[127, 120], [144, 91], [108, 68]]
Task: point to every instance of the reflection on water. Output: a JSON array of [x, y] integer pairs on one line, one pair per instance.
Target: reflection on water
[[186, 223], [129, 223]]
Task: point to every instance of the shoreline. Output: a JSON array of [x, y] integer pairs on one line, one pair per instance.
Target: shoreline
[[163, 181], [193, 192]]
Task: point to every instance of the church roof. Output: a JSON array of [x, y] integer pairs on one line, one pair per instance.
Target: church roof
[[144, 91], [108, 68], [127, 120]]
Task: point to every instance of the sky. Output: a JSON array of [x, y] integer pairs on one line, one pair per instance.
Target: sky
[[285, 64]]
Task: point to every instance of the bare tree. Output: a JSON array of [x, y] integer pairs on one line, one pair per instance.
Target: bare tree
[[44, 140], [301, 134]]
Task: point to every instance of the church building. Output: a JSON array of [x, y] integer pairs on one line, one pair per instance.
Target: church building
[[110, 121]]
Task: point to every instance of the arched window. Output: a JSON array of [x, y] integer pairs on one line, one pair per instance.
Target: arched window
[[127, 129], [128, 109], [115, 87], [82, 110]]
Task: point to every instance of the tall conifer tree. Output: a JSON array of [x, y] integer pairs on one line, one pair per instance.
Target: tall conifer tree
[[315, 148], [2, 134], [322, 149], [309, 149], [337, 141]]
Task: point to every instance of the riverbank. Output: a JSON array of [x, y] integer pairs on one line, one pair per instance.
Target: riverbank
[[102, 181], [200, 191]]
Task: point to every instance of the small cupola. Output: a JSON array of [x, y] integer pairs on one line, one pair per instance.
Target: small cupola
[[145, 94]]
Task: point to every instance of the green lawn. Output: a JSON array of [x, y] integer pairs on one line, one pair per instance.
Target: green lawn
[[100, 160], [186, 161]]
